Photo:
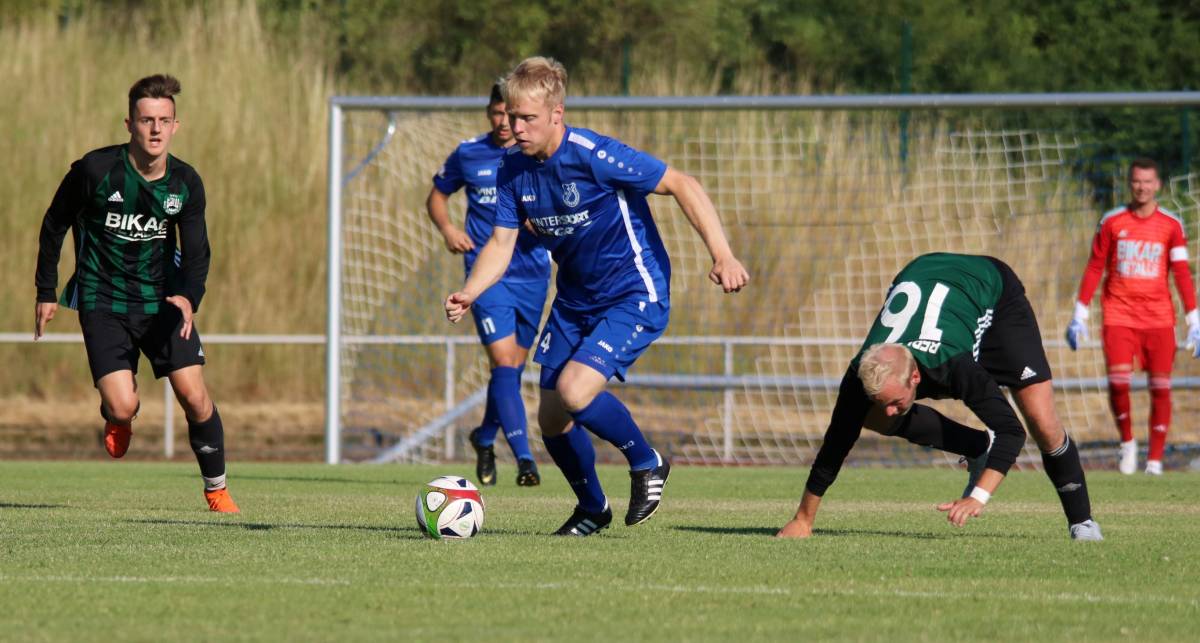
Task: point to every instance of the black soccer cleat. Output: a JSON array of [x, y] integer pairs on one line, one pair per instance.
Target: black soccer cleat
[[527, 474], [584, 523], [645, 491], [485, 461]]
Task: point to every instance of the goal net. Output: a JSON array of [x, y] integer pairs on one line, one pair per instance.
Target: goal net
[[823, 207]]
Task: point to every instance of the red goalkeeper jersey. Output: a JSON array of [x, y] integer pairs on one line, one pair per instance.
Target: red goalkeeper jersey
[[1137, 252]]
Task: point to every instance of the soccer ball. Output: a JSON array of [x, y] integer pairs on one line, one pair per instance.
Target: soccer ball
[[450, 507]]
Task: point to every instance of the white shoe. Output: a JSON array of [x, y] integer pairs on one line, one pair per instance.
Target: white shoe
[[1086, 530], [1154, 467], [1128, 463]]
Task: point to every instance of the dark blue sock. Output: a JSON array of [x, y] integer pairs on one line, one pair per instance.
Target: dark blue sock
[[608, 418], [576, 458], [485, 435], [505, 391]]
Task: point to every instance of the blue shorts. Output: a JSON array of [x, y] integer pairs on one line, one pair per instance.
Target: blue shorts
[[609, 340], [510, 308]]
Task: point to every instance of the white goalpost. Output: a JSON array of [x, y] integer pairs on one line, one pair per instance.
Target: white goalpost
[[823, 197]]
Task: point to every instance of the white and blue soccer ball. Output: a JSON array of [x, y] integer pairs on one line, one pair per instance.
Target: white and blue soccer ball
[[450, 507]]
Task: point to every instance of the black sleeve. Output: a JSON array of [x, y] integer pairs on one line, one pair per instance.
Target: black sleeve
[[849, 412], [193, 245], [969, 382], [63, 212]]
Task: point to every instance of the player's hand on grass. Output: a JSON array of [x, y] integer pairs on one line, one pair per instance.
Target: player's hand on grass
[[457, 241], [42, 315], [185, 308], [457, 305], [728, 273], [1193, 336], [796, 528], [961, 510]]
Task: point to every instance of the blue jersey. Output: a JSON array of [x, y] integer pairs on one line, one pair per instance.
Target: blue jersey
[[473, 163], [587, 203]]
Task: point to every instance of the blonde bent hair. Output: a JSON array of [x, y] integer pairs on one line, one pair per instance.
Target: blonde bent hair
[[883, 362], [536, 78]]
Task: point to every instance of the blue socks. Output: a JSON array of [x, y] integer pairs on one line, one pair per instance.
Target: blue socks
[[576, 458], [506, 410], [609, 419]]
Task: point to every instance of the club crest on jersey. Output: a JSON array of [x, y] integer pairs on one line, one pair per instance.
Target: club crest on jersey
[[173, 204], [570, 194]]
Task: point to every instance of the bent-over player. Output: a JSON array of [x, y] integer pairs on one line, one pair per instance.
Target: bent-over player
[[953, 326]]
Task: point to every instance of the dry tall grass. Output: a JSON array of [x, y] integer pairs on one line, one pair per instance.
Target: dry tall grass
[[253, 124]]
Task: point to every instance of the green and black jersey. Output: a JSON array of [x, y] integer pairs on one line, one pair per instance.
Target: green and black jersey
[[940, 306], [136, 241]]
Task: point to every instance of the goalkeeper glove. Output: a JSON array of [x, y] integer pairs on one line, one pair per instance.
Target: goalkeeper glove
[[1077, 330], [1193, 337]]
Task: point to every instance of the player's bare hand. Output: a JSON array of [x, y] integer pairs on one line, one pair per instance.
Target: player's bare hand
[[728, 273], [42, 316], [457, 241], [185, 307], [961, 510], [796, 528], [457, 305]]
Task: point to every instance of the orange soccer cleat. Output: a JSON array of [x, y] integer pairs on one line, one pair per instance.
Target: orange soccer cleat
[[220, 501], [116, 438]]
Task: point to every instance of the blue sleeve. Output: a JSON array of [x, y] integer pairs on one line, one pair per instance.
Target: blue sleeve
[[617, 166], [449, 179], [506, 199]]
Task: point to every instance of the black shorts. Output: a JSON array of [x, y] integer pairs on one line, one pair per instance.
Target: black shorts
[[114, 342], [1011, 349]]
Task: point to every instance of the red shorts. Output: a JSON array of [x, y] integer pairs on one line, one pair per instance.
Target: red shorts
[[1154, 348]]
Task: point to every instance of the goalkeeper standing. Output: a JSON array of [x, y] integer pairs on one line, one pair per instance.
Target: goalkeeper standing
[[1138, 244], [142, 256]]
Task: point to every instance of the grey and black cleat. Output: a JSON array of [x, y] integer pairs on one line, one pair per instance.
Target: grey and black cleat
[[485, 461], [584, 523], [1086, 530], [645, 491], [527, 474]]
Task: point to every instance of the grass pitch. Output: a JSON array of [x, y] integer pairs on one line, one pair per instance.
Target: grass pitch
[[127, 551]]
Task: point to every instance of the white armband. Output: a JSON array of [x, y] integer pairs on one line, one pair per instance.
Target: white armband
[[1178, 253], [982, 496]]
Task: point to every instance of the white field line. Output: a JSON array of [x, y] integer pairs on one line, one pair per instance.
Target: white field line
[[1063, 597]]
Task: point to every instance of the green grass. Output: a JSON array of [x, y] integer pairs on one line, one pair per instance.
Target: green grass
[[126, 551]]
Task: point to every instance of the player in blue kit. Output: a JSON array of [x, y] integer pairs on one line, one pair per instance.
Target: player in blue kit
[[584, 195], [506, 314]]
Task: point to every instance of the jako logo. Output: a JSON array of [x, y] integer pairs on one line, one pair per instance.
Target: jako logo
[[528, 198], [603, 344]]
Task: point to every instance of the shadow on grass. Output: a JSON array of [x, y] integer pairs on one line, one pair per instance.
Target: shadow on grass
[[771, 531], [19, 505], [250, 476], [411, 533]]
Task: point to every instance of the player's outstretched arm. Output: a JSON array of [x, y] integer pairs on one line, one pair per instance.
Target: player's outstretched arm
[[489, 267], [437, 206], [727, 271]]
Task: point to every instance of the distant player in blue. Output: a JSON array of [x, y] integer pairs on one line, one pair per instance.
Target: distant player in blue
[[584, 195], [507, 313]]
